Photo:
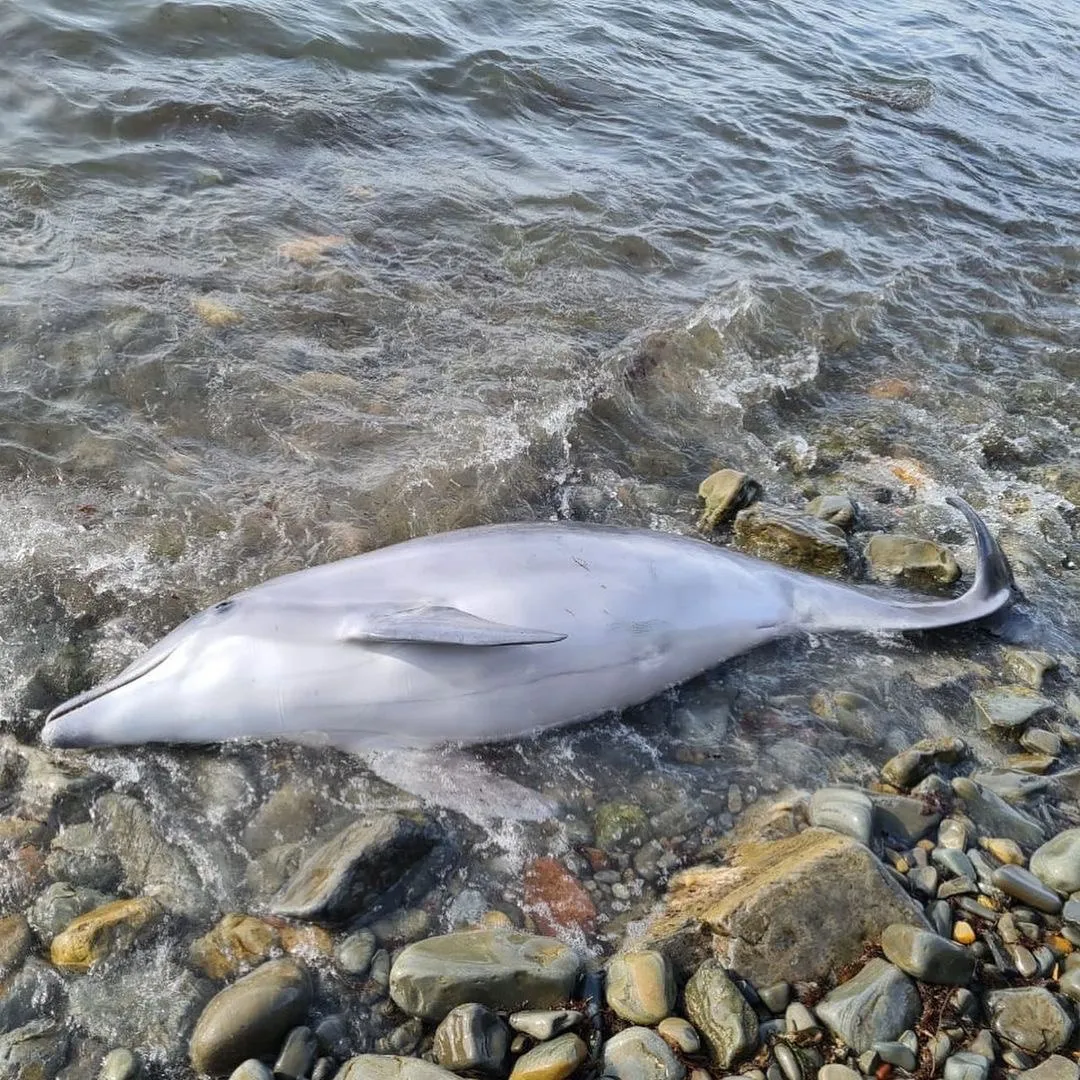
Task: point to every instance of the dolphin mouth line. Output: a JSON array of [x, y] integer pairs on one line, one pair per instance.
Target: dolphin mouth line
[[129, 675]]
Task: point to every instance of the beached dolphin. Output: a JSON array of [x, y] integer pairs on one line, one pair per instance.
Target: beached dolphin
[[480, 635]]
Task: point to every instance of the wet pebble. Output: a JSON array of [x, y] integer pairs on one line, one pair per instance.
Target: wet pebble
[[1041, 741], [954, 863], [297, 1055], [355, 952], [252, 1069], [1069, 984], [1022, 960], [953, 836], [1057, 862], [896, 1053], [640, 1054], [789, 1063], [15, 941], [905, 818], [472, 1037], [555, 1060], [966, 1066], [983, 1044], [544, 1024], [926, 955], [250, 1017], [911, 766], [1004, 850], [875, 1006], [680, 1034], [119, 1064], [1009, 706], [640, 987], [994, 816], [1054, 1067], [837, 1072], [924, 880], [799, 1018], [775, 997], [1023, 885]]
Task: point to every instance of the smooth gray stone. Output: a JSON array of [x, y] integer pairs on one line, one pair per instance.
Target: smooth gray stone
[[910, 1040], [896, 1053], [354, 954], [966, 1066], [875, 1006], [640, 987], [957, 886], [956, 863], [1009, 706], [250, 1017], [837, 1072], [1057, 863], [964, 1002], [333, 1038], [252, 1069], [776, 997], [1022, 960], [1045, 960], [940, 915], [940, 1048], [1017, 1059], [983, 1044], [844, 810], [799, 1018], [1041, 741], [953, 834], [1030, 1018], [869, 1062], [680, 1034], [297, 1055], [924, 880], [994, 816], [324, 1069], [638, 1053], [472, 1037], [498, 968], [391, 1067], [905, 818], [356, 867], [119, 1064], [726, 1023], [788, 1061], [1054, 1067], [970, 906], [36, 989], [404, 1038], [1025, 886], [1069, 983], [927, 956], [771, 1029], [774, 1072], [984, 868], [1071, 911], [544, 1024]]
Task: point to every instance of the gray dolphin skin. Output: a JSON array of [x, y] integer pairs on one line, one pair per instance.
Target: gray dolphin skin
[[481, 635]]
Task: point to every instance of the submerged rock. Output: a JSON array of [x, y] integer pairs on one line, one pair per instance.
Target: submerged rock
[[792, 539], [837, 510], [908, 768], [59, 905], [236, 942], [1008, 706], [356, 867], [36, 1051], [472, 1038], [104, 931], [785, 910], [995, 816], [251, 1017], [15, 943], [721, 1015], [878, 1005], [497, 968], [844, 810], [555, 898]]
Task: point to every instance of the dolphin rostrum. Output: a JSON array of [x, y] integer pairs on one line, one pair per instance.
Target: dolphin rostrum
[[480, 635]]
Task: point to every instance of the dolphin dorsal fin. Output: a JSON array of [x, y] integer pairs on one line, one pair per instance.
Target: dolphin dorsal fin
[[435, 624]]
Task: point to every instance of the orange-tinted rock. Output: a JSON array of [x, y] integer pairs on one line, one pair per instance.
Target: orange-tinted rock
[[556, 899]]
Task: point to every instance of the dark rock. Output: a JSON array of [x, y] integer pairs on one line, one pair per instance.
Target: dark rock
[[472, 1037]]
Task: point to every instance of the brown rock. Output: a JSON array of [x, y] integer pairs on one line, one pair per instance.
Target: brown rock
[[723, 493], [788, 910], [793, 539], [556, 899], [237, 942], [103, 931]]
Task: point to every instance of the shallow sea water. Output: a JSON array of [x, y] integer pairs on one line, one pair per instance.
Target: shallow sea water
[[282, 282]]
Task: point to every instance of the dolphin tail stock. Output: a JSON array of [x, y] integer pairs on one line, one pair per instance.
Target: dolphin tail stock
[[825, 605]]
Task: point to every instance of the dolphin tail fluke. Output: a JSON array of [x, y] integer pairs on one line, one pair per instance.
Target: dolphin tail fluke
[[824, 605]]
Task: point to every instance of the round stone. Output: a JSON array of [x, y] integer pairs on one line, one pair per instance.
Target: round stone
[[640, 987], [680, 1034], [1057, 862], [251, 1017], [640, 1054], [554, 1060], [355, 952], [1004, 850], [119, 1064], [252, 1069], [1024, 886]]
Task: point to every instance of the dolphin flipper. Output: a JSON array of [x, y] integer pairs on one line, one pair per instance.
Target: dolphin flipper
[[457, 781], [433, 624]]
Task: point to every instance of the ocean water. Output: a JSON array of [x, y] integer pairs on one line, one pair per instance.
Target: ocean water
[[282, 282]]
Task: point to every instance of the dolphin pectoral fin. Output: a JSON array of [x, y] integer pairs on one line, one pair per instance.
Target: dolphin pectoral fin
[[436, 625], [456, 781]]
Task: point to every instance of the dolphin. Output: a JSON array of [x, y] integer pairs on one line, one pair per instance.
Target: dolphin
[[481, 635]]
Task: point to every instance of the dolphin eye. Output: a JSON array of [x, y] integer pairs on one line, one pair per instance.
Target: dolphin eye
[[224, 606]]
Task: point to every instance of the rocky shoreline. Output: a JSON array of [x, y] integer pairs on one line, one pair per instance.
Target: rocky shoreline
[[923, 923]]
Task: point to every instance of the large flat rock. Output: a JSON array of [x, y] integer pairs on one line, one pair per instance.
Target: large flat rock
[[781, 911]]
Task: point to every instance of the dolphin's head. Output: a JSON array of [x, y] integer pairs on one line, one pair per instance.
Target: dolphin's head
[[141, 704]]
